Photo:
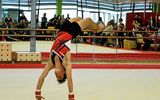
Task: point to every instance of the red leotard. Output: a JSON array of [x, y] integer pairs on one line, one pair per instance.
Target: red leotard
[[59, 47]]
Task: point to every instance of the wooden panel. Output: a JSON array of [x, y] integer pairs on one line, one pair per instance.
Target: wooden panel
[[5, 51], [28, 56]]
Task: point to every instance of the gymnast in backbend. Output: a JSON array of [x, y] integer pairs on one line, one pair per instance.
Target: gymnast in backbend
[[60, 56]]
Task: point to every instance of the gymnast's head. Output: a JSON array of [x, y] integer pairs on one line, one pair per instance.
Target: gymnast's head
[[60, 75]]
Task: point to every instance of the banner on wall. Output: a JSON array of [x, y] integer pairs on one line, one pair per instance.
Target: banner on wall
[[148, 19]]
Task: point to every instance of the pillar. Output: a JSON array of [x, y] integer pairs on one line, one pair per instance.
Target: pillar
[[0, 10], [33, 26], [59, 8]]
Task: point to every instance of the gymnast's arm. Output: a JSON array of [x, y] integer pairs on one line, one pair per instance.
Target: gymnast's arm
[[68, 67], [41, 79]]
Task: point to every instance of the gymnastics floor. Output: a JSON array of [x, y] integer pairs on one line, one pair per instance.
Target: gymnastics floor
[[89, 84], [91, 81]]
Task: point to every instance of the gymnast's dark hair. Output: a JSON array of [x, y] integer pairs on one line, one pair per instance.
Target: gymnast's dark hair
[[62, 80]]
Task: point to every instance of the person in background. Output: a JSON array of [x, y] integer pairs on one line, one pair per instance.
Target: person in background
[[108, 31], [37, 21], [67, 18], [120, 33], [22, 18], [44, 21], [98, 40]]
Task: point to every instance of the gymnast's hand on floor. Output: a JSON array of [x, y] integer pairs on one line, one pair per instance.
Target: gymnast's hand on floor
[[38, 95], [39, 98], [71, 96]]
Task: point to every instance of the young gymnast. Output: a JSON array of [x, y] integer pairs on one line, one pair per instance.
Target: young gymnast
[[60, 56]]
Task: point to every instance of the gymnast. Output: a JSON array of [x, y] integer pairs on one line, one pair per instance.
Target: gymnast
[[60, 55]]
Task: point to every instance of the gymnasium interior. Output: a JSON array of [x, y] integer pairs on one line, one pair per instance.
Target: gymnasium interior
[[122, 62]]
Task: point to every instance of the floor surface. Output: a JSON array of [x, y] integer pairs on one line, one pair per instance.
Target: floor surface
[[89, 84]]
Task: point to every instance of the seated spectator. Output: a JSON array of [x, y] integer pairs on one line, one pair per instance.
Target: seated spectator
[[22, 17], [52, 21], [3, 25], [150, 40], [136, 24], [108, 32], [8, 20], [98, 40]]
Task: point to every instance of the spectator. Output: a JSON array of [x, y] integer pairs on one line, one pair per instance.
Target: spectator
[[67, 17], [37, 21], [120, 34], [108, 32], [15, 23], [4, 25], [44, 21], [135, 22], [139, 20], [97, 41], [62, 19], [8, 20], [52, 21], [22, 17], [58, 22], [151, 38]]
